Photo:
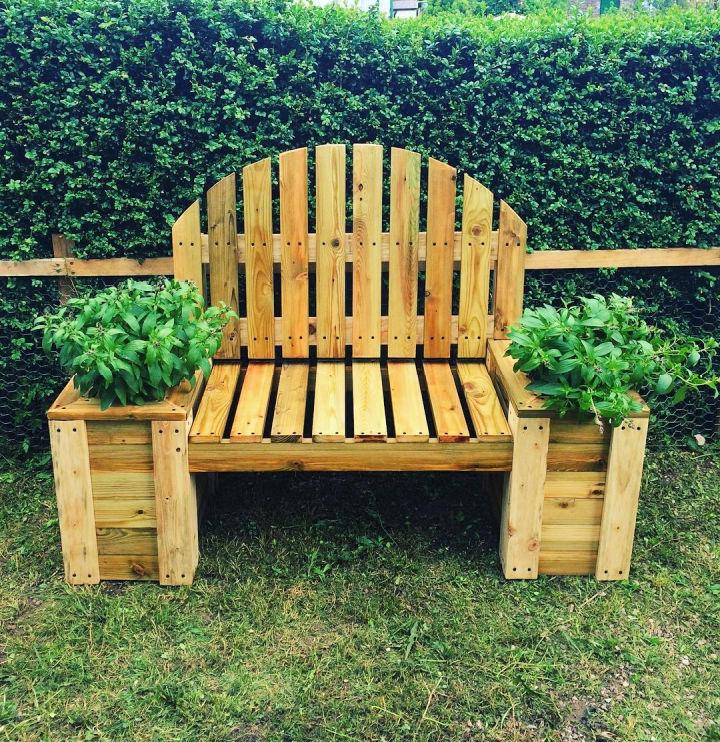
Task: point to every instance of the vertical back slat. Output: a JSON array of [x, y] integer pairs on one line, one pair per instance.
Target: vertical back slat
[[187, 247], [510, 271], [294, 253], [257, 202], [439, 258], [367, 256], [222, 248], [404, 227], [330, 246], [474, 269]]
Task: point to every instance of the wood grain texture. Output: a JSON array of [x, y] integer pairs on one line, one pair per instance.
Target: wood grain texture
[[403, 267], [294, 253], [445, 403], [474, 269], [330, 268], [571, 511], [257, 204], [252, 408], [175, 504], [483, 404], [129, 567], [366, 249], [409, 419], [622, 490], [523, 500], [222, 248], [513, 383], [510, 271], [289, 415], [73, 489], [351, 456], [139, 541], [575, 484], [567, 563], [369, 422], [117, 431], [329, 409], [187, 247], [214, 410], [439, 259]]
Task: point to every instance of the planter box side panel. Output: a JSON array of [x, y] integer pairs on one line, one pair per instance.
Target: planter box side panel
[[121, 466]]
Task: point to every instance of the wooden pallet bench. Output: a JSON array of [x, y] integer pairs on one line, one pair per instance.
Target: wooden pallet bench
[[351, 352]]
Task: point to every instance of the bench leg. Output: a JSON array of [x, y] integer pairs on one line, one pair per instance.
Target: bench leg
[[522, 505], [622, 489], [176, 504], [76, 512]]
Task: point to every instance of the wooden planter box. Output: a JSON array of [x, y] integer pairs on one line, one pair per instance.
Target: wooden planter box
[[577, 516], [127, 504]]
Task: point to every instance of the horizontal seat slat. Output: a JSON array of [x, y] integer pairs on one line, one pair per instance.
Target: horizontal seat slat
[[483, 404], [445, 404], [329, 412], [368, 402], [289, 415], [214, 409], [407, 403], [252, 408]]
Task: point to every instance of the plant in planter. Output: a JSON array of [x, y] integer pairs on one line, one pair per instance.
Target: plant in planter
[[588, 357], [131, 343]]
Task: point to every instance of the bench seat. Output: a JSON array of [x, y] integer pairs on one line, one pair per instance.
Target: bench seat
[[383, 415]]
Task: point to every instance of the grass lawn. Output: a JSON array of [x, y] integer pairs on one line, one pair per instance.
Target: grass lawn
[[365, 607]]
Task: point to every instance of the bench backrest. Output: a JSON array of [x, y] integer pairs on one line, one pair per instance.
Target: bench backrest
[[371, 313]]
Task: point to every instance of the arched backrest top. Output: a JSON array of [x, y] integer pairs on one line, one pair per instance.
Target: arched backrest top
[[331, 294]]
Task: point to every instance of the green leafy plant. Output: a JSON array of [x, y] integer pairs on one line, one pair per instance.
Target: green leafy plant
[[588, 357], [131, 343]]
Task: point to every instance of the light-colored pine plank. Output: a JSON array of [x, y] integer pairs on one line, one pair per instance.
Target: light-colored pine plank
[[117, 431], [128, 567], [510, 271], [485, 409], [252, 407], [403, 269], [574, 484], [214, 409], [557, 537], [122, 458], [351, 456], [567, 563], [574, 457], [407, 405], [73, 489], [571, 510], [368, 403], [187, 246], [175, 504], [514, 383], [222, 248], [294, 253], [439, 259], [329, 411], [125, 511], [366, 249], [330, 268], [522, 508], [447, 411], [474, 269], [622, 490], [107, 486], [289, 415], [140, 541], [257, 203]]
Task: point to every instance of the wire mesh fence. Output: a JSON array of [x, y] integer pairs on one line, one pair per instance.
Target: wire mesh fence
[[686, 301]]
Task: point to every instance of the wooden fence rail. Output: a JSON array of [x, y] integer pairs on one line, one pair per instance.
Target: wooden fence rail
[[64, 265]]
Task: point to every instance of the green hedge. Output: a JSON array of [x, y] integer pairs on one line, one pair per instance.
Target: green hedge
[[116, 114]]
